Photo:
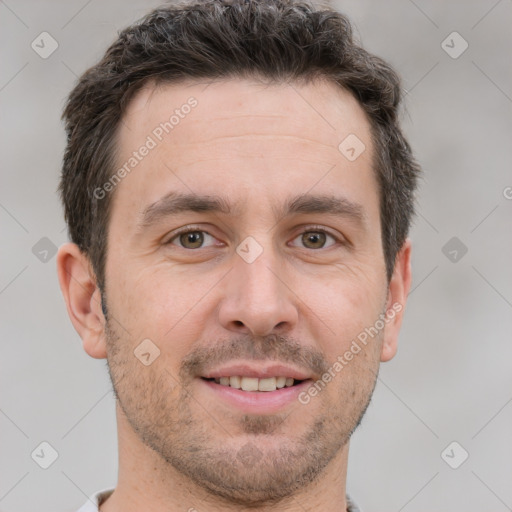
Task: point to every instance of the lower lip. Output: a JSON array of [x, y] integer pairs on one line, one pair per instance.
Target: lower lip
[[257, 402]]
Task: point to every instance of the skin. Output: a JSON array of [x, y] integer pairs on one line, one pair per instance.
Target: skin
[[302, 301]]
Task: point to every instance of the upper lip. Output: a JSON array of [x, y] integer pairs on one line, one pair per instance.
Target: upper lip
[[256, 371]]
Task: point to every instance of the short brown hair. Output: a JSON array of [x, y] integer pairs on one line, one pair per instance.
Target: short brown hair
[[278, 40]]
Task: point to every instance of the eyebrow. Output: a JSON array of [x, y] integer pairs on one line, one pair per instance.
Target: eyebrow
[[329, 204], [175, 203]]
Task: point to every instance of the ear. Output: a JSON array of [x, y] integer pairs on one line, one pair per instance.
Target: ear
[[83, 299], [399, 286]]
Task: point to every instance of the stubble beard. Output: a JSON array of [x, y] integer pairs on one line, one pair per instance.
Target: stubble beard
[[250, 460]]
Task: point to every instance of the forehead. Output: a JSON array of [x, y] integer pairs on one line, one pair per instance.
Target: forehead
[[320, 111], [239, 136]]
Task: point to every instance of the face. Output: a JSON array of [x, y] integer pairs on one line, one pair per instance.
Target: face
[[244, 250]]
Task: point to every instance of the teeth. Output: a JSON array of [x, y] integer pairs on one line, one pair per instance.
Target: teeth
[[267, 384], [280, 382], [255, 384], [249, 384], [235, 382]]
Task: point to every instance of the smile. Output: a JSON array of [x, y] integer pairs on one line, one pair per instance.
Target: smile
[[256, 384], [272, 400]]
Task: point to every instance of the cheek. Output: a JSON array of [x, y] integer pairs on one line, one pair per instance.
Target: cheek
[[341, 307], [166, 307]]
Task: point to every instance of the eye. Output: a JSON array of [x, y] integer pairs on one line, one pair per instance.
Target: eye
[[197, 239], [191, 239], [316, 239]]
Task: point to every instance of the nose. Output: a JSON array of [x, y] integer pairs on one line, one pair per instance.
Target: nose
[[257, 299]]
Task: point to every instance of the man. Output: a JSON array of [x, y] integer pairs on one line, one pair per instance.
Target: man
[[238, 193]]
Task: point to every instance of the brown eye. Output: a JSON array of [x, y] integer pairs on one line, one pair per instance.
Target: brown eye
[[313, 239], [316, 239], [192, 239]]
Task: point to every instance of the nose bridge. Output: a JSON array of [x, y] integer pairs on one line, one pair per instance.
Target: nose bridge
[[258, 279], [256, 298]]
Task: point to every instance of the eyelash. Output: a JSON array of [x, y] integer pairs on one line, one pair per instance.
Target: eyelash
[[309, 229]]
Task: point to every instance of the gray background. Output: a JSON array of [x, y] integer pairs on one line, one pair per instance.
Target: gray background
[[451, 379]]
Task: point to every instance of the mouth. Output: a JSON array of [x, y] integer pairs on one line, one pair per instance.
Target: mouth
[[253, 387], [253, 395], [255, 384]]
